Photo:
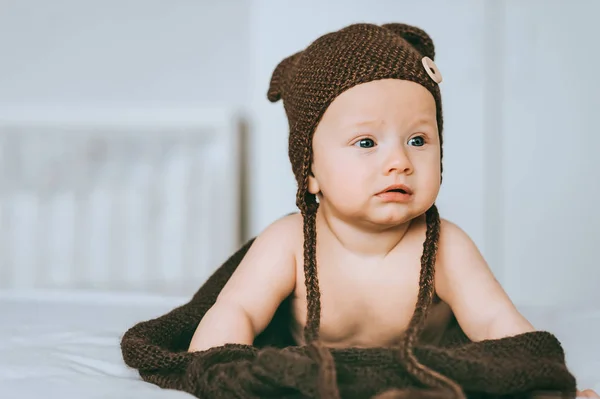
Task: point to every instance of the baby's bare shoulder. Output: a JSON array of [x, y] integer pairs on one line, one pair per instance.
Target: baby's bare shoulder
[[455, 241], [280, 236], [267, 273], [292, 221], [461, 270], [287, 229]]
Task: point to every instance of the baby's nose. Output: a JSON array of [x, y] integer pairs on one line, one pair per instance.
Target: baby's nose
[[398, 162]]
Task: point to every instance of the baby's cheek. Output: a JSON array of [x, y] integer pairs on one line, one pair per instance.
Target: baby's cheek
[[432, 180], [347, 177], [429, 192]]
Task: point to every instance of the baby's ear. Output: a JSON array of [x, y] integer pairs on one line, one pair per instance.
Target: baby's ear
[[417, 38], [313, 184]]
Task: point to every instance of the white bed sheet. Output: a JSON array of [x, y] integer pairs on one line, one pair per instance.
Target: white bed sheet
[[66, 344]]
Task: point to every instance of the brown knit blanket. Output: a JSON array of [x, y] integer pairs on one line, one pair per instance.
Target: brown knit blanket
[[527, 365]]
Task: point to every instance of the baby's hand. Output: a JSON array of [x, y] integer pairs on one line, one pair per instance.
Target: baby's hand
[[588, 393]]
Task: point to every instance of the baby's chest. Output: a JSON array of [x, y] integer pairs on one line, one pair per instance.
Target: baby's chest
[[365, 306]]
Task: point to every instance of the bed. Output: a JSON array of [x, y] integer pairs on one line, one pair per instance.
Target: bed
[[66, 344], [110, 218]]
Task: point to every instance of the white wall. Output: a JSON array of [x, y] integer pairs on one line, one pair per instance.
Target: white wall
[[550, 139], [519, 96], [116, 53]]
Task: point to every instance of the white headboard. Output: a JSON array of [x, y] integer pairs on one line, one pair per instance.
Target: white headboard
[[136, 200]]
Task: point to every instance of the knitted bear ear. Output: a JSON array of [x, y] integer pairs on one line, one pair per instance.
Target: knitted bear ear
[[279, 78], [417, 37]]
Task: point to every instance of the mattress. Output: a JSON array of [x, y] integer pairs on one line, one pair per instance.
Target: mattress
[[66, 344]]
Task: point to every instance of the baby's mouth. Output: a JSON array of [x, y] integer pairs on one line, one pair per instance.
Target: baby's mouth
[[398, 188]]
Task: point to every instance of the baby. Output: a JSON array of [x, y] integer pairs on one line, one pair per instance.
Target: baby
[[365, 119]]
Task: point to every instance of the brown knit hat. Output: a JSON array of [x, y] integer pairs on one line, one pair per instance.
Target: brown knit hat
[[308, 82]]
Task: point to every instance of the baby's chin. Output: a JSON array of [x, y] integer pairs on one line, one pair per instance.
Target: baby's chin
[[384, 219], [391, 220]]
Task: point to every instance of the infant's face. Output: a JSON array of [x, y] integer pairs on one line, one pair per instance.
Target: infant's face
[[372, 136]]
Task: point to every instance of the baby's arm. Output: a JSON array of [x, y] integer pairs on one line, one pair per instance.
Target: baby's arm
[[465, 282], [249, 300]]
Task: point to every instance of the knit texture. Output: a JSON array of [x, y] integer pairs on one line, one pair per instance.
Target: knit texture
[[515, 367]]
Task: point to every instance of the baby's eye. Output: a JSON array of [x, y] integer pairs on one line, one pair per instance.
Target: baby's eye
[[365, 143], [418, 141]]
